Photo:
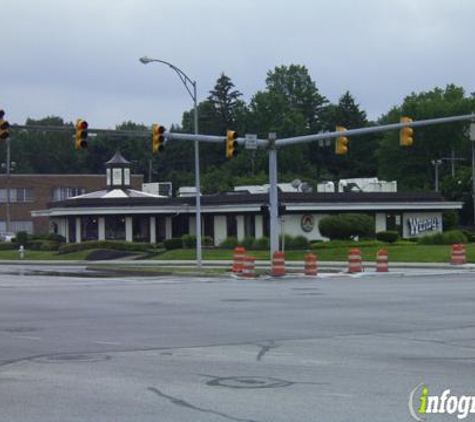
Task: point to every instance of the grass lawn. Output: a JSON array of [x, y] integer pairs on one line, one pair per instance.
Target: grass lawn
[[406, 252], [44, 255], [397, 253]]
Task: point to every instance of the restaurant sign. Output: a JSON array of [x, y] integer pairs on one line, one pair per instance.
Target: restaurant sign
[[419, 225]]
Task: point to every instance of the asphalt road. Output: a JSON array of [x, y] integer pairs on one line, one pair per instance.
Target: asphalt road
[[187, 349]]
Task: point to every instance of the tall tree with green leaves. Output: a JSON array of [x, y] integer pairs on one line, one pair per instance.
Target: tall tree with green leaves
[[412, 166], [360, 161]]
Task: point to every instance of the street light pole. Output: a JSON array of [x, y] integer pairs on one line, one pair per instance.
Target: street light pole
[[186, 80], [472, 138], [436, 164]]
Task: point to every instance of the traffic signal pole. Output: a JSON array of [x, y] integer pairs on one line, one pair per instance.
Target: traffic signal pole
[[273, 196], [373, 129]]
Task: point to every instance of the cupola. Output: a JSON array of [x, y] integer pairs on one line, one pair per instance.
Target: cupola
[[118, 172]]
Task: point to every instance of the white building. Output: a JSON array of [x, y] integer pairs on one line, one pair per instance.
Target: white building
[[119, 212]]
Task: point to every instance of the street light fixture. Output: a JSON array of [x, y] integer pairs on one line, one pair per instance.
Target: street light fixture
[[192, 91]]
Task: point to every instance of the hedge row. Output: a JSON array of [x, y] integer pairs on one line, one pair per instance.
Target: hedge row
[[450, 237], [106, 244]]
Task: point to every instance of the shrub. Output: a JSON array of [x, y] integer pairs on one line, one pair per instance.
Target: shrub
[[188, 241], [22, 238], [105, 244], [229, 243], [470, 235], [261, 243], [447, 238], [285, 241], [248, 242], [207, 241], [42, 243], [173, 243], [299, 242], [388, 236], [49, 236], [454, 236], [347, 226], [7, 246], [450, 220]]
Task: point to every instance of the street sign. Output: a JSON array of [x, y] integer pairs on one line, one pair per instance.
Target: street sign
[[472, 131], [251, 141]]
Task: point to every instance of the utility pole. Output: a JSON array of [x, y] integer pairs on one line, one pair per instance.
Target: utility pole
[[436, 164]]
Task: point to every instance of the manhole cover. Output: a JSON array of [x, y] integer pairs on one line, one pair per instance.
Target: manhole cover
[[249, 382], [66, 358]]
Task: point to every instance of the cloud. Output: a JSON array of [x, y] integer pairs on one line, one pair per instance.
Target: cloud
[[66, 58]]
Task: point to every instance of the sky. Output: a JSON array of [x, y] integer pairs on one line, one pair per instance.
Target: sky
[[80, 59]]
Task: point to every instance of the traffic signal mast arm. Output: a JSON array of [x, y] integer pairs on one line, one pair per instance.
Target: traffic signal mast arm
[[373, 129], [241, 141]]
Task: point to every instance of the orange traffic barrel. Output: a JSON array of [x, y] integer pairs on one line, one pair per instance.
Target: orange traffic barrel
[[459, 255], [311, 264], [249, 267], [355, 265], [278, 264], [238, 259], [382, 265]]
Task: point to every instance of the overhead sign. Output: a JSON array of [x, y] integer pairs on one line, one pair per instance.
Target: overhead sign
[[251, 141]]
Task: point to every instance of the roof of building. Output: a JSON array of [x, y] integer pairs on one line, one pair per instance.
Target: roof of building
[[127, 197], [117, 159]]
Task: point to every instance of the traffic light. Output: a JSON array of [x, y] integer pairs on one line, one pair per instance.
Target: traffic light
[[341, 144], [4, 129], [231, 144], [406, 133], [158, 139], [81, 134], [4, 126]]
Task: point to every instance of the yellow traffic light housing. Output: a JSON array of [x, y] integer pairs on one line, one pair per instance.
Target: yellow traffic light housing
[[158, 139], [231, 144], [4, 126], [406, 133], [81, 134], [341, 144]]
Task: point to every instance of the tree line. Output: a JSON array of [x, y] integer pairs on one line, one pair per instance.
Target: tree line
[[290, 105]]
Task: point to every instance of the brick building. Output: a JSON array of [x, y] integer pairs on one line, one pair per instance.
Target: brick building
[[32, 192]]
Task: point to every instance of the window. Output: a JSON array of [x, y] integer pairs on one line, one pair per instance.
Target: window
[[89, 228], [231, 226], [141, 228], [115, 227], [249, 226], [60, 194], [17, 195], [17, 226]]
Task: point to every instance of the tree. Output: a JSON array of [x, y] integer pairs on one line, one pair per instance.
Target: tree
[[291, 105], [225, 101], [360, 161], [411, 166]]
